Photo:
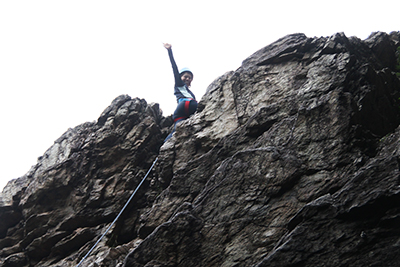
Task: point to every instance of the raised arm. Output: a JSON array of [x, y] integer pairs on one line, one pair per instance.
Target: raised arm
[[178, 80]]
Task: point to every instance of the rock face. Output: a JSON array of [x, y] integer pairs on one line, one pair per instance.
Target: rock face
[[291, 160]]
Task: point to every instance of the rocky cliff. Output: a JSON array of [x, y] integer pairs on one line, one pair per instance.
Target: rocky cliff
[[291, 160]]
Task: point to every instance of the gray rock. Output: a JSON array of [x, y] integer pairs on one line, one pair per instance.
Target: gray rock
[[291, 160]]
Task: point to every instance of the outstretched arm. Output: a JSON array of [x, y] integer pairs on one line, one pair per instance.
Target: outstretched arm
[[178, 80]]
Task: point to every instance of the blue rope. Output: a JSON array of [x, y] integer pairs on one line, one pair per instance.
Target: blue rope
[[129, 200]]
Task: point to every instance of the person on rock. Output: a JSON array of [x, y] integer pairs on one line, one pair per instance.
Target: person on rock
[[187, 104]]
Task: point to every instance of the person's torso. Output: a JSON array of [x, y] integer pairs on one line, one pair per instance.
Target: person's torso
[[183, 92]]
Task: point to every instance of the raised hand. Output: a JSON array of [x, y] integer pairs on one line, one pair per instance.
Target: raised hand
[[167, 46]]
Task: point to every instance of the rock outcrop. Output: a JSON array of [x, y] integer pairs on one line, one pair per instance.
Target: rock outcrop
[[291, 160]]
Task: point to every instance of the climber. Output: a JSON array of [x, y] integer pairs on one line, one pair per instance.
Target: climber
[[187, 104]]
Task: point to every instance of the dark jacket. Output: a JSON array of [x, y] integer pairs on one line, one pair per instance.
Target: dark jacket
[[181, 90]]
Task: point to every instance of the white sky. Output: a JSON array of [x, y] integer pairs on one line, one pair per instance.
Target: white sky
[[63, 62]]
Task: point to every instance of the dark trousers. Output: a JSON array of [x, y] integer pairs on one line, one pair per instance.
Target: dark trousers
[[184, 110]]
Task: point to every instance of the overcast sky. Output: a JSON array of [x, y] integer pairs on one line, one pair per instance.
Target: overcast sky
[[63, 62]]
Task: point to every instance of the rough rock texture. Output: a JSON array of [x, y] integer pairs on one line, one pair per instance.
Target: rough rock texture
[[291, 160]]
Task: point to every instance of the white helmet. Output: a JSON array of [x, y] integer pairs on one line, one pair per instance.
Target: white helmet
[[185, 70]]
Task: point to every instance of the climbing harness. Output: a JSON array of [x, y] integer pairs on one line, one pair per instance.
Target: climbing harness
[[122, 210], [186, 109]]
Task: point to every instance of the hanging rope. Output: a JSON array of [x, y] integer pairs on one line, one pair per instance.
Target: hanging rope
[[126, 204]]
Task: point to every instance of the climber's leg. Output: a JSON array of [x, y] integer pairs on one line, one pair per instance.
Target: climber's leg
[[184, 109]]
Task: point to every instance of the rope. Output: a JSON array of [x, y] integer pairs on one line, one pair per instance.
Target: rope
[[126, 204]]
